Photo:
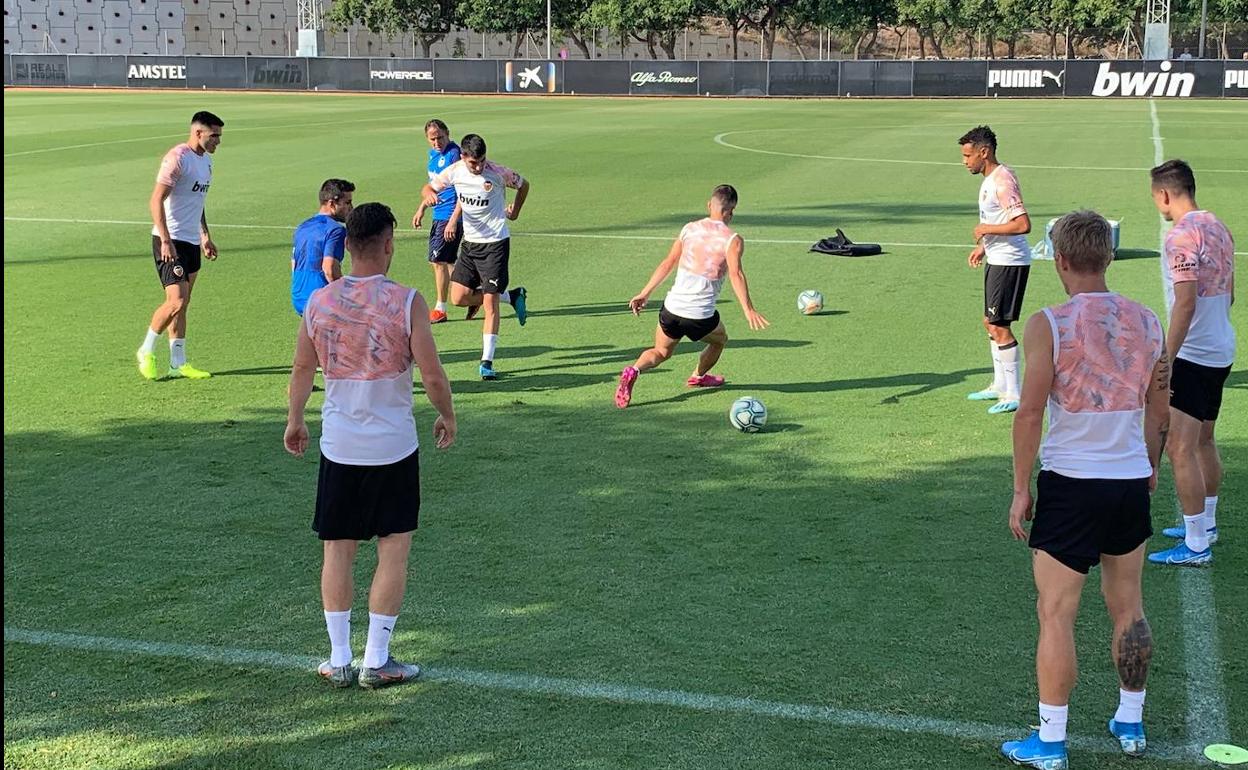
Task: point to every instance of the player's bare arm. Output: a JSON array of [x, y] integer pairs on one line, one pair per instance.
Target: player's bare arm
[[302, 373], [513, 209], [1181, 316], [157, 206], [1019, 225], [205, 237], [741, 287], [331, 268], [419, 216], [432, 375], [452, 224], [1157, 415], [429, 195], [1029, 419], [665, 268]]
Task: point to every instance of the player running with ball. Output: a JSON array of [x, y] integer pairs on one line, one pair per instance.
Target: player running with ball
[[706, 252]]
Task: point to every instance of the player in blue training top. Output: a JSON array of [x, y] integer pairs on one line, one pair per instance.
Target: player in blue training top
[[443, 249], [316, 259]]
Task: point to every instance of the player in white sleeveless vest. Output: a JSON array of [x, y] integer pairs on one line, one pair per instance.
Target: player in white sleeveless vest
[[706, 252], [1003, 221], [1198, 265], [366, 332], [1100, 365], [179, 238]]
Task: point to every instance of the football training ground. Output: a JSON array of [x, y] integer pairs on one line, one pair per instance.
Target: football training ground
[[590, 587]]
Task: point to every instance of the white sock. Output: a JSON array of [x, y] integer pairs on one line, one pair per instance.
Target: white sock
[[1197, 535], [377, 651], [998, 377], [489, 343], [1130, 707], [440, 306], [1053, 722], [1211, 513], [1009, 372], [504, 297], [177, 353], [339, 626], [149, 342]]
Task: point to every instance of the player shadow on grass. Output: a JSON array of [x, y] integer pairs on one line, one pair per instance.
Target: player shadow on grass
[[870, 219], [924, 382], [761, 550]]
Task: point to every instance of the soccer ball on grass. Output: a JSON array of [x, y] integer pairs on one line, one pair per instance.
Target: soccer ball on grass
[[748, 414]]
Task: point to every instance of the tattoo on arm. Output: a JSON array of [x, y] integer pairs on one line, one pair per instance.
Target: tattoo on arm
[[1135, 650], [1163, 372]]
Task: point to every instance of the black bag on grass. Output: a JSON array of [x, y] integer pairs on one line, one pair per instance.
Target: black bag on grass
[[842, 246]]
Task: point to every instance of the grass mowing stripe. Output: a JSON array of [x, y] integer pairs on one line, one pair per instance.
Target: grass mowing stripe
[[1206, 705], [572, 688]]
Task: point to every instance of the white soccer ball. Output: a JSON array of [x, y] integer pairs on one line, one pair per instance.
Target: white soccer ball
[[810, 302], [748, 414]]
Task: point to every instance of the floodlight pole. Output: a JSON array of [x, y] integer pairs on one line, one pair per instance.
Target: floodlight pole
[[1204, 19], [547, 30]]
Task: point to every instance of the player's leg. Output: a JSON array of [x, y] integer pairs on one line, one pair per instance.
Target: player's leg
[[385, 599], [1009, 355], [336, 596], [492, 266], [994, 390], [1211, 471], [664, 346], [1058, 589], [1131, 646], [715, 342], [441, 255], [395, 495], [189, 258], [1182, 447]]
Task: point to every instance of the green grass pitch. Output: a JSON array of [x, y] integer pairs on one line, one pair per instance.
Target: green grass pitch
[[853, 556]]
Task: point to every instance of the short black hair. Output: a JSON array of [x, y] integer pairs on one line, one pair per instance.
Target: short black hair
[[1175, 176], [726, 196], [436, 123], [473, 146], [980, 136], [368, 222], [333, 189], [205, 118]]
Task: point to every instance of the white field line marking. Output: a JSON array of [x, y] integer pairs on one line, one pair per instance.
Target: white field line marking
[[1206, 705], [286, 127], [574, 688], [405, 231], [719, 139]]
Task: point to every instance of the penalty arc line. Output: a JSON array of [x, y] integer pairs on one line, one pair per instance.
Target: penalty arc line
[[720, 140], [1206, 704], [528, 684]]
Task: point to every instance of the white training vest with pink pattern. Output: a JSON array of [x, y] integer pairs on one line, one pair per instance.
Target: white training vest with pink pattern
[[703, 266], [361, 329], [1105, 347]]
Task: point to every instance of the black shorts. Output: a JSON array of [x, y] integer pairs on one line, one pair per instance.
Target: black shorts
[[695, 329], [1196, 390], [442, 251], [483, 265], [1077, 520], [185, 262], [360, 502], [1004, 286]]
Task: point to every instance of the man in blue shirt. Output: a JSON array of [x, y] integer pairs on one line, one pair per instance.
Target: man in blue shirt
[[442, 250], [317, 257]]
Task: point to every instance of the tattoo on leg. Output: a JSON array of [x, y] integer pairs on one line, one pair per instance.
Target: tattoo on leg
[[1135, 650]]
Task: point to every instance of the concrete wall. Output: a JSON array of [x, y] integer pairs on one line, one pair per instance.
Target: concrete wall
[[268, 28]]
